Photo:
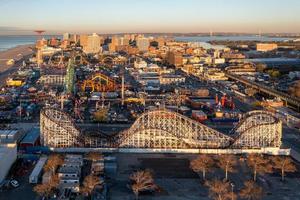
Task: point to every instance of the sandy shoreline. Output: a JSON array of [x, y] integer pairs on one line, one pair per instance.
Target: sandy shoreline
[[13, 53]]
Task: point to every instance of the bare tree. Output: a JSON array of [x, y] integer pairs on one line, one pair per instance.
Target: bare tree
[[142, 180], [284, 164], [43, 190], [203, 163], [227, 163], [250, 92], [54, 181], [53, 162], [259, 164], [94, 156], [251, 191], [294, 90], [260, 67], [220, 190], [47, 189], [89, 184]]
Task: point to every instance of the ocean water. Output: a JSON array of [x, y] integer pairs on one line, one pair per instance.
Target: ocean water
[[10, 41], [204, 40], [231, 38]]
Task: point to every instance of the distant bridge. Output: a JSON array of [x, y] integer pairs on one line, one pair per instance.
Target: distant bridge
[[265, 89]]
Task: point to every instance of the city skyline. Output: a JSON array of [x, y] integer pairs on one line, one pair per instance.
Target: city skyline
[[155, 16], [149, 99]]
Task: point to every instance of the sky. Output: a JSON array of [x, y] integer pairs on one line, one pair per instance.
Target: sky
[[149, 16]]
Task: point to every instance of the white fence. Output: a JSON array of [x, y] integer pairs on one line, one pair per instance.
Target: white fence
[[268, 151]]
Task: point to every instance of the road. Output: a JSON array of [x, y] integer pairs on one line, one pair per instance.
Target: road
[[265, 89], [290, 137]]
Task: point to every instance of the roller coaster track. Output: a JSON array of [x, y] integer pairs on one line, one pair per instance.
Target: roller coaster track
[[238, 136], [61, 123], [259, 120], [119, 139], [163, 129], [250, 114]]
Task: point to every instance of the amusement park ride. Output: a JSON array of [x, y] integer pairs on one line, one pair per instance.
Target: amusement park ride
[[39, 33], [98, 82], [157, 129], [163, 129], [60, 58]]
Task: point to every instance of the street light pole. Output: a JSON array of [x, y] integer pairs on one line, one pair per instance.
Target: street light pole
[[232, 186]]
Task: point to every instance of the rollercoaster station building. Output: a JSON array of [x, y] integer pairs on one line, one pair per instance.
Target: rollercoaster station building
[[166, 131]]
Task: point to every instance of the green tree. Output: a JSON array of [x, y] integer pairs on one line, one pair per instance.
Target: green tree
[[273, 73]]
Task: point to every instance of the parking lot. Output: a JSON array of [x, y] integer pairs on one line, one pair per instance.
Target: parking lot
[[174, 178], [177, 181], [25, 190]]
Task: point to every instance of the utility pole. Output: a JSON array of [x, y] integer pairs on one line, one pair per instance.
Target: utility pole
[[122, 92], [232, 186], [122, 72], [20, 110], [61, 102]]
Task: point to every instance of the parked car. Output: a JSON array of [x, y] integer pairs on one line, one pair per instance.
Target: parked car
[[14, 183]]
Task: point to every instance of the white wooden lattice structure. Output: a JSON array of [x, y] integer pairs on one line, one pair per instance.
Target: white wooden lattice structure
[[163, 129]]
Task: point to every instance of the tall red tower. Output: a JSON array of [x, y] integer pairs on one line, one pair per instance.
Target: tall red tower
[[39, 33], [39, 55]]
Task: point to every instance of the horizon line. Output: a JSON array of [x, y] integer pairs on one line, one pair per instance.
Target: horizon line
[[118, 33]]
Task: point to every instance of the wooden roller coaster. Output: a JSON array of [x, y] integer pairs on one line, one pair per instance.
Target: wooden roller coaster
[[164, 129]]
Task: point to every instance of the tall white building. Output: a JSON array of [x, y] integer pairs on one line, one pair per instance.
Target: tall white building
[[66, 36], [93, 44], [143, 44], [123, 41]]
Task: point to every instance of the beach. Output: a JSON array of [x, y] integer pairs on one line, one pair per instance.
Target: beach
[[18, 54], [15, 53]]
